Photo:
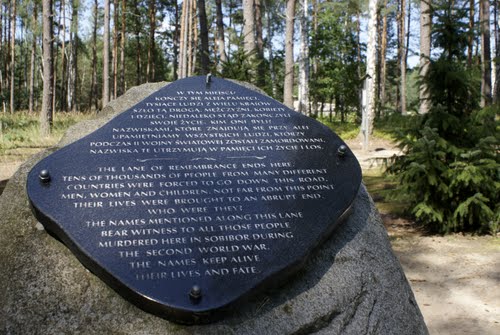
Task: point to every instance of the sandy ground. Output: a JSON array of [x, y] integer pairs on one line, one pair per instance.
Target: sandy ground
[[456, 278]]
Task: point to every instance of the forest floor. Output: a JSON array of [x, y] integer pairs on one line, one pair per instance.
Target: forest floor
[[455, 278]]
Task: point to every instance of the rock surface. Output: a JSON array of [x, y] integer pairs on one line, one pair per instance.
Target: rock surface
[[353, 284]]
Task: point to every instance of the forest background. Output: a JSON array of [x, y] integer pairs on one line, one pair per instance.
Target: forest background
[[344, 61]]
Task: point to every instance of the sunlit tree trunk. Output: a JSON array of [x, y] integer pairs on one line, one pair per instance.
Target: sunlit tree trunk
[[204, 56], [48, 70], [93, 83], [289, 70], [73, 58], [304, 60], [105, 56], [425, 52], [248, 26], [137, 32], [221, 45], [150, 70], [261, 73], [32, 58], [12, 54], [114, 57], [371, 55], [183, 45], [175, 61], [484, 14], [402, 58], [123, 36], [270, 32], [496, 63], [383, 54]]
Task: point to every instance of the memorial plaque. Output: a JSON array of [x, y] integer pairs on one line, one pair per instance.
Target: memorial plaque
[[196, 197]]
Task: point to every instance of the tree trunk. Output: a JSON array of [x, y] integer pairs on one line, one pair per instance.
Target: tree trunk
[[175, 66], [470, 39], [93, 83], [425, 53], [193, 39], [150, 71], [383, 54], [270, 32], [401, 54], [114, 56], [33, 57], [48, 70], [221, 45], [261, 73], [137, 27], [304, 60], [371, 54], [105, 56], [202, 16], [12, 54], [182, 72], [484, 14], [73, 59], [248, 27], [289, 62], [122, 49], [496, 71]]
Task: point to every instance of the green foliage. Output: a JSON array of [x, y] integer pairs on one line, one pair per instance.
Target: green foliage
[[334, 45], [452, 183], [450, 169]]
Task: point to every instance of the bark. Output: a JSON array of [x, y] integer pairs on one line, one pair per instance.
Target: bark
[[182, 72], [73, 59], [272, 70], [383, 54], [470, 43], [202, 18], [150, 70], [175, 65], [32, 58], [105, 56], [122, 49], [261, 73], [485, 53], [114, 70], [496, 63], [192, 39], [425, 52], [93, 83], [249, 44], [289, 68], [137, 32], [371, 54], [304, 60], [402, 57], [62, 11], [48, 70], [12, 55], [2, 62], [221, 46]]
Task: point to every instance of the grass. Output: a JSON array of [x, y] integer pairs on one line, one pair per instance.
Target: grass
[[380, 187], [346, 130], [20, 133]]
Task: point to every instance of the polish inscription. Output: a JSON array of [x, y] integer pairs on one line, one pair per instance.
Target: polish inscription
[[199, 185]]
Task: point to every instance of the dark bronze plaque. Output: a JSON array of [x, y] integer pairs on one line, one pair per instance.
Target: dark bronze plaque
[[196, 197]]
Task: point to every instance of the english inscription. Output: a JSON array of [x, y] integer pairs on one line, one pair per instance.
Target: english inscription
[[215, 187]]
